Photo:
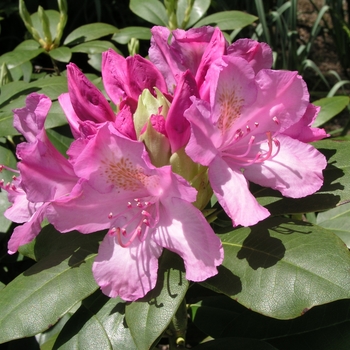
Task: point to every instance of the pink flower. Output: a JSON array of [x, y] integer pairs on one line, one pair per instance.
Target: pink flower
[[242, 135], [145, 208], [197, 48], [45, 174]]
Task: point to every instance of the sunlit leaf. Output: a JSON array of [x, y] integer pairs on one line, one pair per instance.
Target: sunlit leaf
[[45, 292], [94, 47], [89, 32], [151, 10], [228, 20], [149, 317], [123, 36], [61, 54], [330, 107], [98, 324], [337, 220], [282, 268]]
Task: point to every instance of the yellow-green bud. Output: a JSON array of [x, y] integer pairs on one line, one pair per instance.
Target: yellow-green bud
[[46, 27]]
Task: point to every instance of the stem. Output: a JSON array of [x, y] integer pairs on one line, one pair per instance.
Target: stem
[[55, 67], [178, 327]]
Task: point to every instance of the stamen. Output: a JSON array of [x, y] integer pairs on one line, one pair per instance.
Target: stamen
[[248, 128], [276, 120], [256, 124], [2, 167]]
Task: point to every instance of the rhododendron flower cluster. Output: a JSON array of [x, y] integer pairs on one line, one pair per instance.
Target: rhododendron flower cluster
[[200, 117]]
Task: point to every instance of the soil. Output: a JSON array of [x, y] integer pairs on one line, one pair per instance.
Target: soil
[[323, 54]]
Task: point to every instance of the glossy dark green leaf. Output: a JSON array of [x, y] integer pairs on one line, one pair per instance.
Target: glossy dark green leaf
[[282, 268], [61, 54], [50, 86], [16, 58], [337, 220], [330, 107], [60, 141], [6, 158], [94, 47], [123, 36], [151, 10], [89, 32], [335, 190], [98, 324], [235, 344], [148, 318], [60, 279], [228, 20]]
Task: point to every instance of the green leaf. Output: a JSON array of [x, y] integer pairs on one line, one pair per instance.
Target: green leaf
[[330, 107], [235, 343], [50, 86], [98, 324], [89, 32], [61, 54], [149, 317], [228, 20], [198, 10], [28, 45], [38, 298], [335, 190], [337, 220], [60, 142], [151, 10], [282, 268], [94, 47], [123, 36], [6, 158], [4, 204], [15, 58], [325, 326]]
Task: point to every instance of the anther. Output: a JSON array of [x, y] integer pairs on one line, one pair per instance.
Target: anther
[[276, 120], [248, 128], [256, 124], [110, 215]]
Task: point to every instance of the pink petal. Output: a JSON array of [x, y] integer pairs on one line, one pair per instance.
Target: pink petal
[[129, 273], [205, 138], [27, 232], [259, 55], [127, 78], [29, 120], [124, 123], [177, 126], [85, 210], [281, 101], [296, 171], [184, 230], [73, 119], [303, 131], [88, 102], [232, 192]]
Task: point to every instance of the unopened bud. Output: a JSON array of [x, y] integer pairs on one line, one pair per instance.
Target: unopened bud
[[46, 27]]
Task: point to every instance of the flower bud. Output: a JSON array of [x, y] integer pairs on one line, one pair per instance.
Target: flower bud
[[5, 75], [46, 28], [62, 6]]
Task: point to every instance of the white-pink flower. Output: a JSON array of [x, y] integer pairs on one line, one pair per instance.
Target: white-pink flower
[[243, 134], [145, 209]]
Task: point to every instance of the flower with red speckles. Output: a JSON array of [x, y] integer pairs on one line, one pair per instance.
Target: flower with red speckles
[[145, 209], [242, 134]]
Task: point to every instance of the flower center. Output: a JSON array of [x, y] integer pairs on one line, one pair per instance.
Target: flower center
[[247, 156], [135, 221]]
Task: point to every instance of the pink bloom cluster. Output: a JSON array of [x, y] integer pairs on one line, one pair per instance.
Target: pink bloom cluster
[[200, 116]]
